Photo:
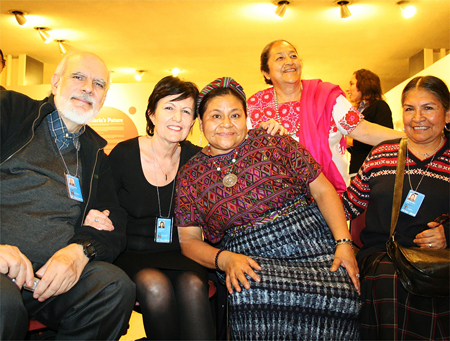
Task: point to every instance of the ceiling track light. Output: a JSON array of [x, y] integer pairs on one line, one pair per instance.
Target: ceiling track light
[[20, 16], [281, 8], [139, 74], [44, 34], [175, 71], [408, 10], [61, 43], [345, 12]]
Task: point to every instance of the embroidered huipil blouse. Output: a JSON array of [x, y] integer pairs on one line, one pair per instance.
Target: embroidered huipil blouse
[[318, 121], [271, 171]]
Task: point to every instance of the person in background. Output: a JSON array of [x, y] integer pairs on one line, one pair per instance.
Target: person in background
[[2, 66], [44, 232], [288, 259], [389, 312], [365, 94], [315, 113]]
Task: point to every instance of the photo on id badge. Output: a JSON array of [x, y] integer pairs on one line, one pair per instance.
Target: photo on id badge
[[412, 203], [163, 230], [74, 188]]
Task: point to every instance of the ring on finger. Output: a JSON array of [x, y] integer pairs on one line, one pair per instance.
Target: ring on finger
[[430, 245], [358, 275], [96, 220]]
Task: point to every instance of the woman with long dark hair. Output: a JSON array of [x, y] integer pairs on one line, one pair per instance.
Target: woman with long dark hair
[[365, 94]]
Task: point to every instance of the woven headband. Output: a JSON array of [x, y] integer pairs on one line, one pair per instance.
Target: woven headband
[[223, 82]]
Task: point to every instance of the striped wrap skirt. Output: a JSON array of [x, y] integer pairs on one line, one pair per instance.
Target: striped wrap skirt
[[389, 312], [298, 298]]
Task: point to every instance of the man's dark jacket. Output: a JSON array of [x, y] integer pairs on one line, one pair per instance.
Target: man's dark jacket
[[20, 115]]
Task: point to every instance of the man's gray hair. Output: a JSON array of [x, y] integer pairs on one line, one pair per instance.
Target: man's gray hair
[[62, 66]]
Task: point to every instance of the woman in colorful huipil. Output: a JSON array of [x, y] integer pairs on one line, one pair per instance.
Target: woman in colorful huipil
[[389, 312], [315, 113], [288, 260]]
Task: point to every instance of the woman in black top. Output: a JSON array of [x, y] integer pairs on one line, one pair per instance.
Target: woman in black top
[[172, 290], [365, 95]]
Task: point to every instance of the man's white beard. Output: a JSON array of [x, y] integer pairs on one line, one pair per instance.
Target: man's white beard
[[69, 111]]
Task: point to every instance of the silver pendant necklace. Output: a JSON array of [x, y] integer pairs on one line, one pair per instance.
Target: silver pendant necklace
[[165, 174], [427, 154], [230, 179], [426, 169], [157, 188]]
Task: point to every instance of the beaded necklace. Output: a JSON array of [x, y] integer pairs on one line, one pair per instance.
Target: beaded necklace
[[293, 131]]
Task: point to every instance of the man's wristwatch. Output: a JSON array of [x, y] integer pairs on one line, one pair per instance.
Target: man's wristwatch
[[88, 249]]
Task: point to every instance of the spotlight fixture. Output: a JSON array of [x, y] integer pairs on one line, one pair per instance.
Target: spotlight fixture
[[60, 42], [44, 34], [407, 9], [139, 74], [175, 71], [281, 8], [345, 12], [20, 16]]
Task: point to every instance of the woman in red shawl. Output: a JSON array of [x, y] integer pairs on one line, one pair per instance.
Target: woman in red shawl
[[313, 112]]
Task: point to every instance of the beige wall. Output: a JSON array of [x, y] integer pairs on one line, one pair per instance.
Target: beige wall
[[132, 98], [439, 69], [128, 98]]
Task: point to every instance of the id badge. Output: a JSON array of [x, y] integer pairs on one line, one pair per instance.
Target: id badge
[[74, 188], [412, 203], [163, 230]]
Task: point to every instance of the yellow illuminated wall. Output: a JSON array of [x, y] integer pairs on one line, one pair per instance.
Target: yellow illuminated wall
[[130, 100]]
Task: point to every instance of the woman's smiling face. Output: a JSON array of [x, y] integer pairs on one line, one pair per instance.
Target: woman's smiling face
[[284, 64], [173, 119], [224, 123], [353, 93], [424, 117]]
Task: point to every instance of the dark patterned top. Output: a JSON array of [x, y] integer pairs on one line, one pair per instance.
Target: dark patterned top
[[373, 189], [271, 171]]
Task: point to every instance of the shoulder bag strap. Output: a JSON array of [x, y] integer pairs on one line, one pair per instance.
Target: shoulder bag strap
[[398, 187]]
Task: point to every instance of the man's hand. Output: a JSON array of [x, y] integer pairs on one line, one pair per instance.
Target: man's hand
[[61, 272], [14, 264]]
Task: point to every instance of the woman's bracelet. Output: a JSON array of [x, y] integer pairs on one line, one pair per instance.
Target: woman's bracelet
[[343, 241], [217, 258]]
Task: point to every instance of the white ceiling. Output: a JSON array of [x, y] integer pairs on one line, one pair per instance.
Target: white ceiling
[[213, 38]]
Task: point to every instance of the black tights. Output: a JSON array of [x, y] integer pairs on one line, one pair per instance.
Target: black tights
[[174, 305]]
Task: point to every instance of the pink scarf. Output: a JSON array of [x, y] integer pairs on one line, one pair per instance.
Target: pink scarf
[[316, 107]]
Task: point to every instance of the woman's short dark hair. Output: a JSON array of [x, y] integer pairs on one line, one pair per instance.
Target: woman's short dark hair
[[368, 83], [220, 92], [169, 86], [265, 54], [433, 85]]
